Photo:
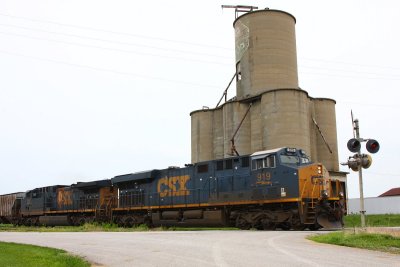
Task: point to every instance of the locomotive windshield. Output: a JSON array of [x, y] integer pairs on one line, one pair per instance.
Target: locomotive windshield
[[294, 159], [294, 156]]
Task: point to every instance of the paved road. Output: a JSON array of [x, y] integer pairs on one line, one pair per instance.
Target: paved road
[[204, 248]]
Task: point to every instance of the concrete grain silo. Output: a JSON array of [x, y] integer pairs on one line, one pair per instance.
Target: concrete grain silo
[[234, 112], [325, 119], [202, 135], [285, 119], [265, 52], [218, 134], [274, 111]]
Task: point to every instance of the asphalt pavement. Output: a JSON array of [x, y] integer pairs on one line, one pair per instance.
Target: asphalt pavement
[[204, 248]]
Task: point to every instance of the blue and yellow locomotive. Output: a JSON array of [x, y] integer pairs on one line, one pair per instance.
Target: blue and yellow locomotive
[[271, 189], [279, 188]]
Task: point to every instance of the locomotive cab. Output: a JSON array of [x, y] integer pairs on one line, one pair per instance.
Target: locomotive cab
[[303, 188]]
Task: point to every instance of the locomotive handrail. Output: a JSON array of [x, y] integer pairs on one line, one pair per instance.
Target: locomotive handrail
[[304, 188]]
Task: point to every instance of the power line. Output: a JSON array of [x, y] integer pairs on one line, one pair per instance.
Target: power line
[[110, 31], [111, 41], [156, 55], [112, 49], [108, 70]]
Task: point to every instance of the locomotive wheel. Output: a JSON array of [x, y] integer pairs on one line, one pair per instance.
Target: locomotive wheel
[[119, 222], [314, 227], [242, 223], [129, 222], [285, 226], [79, 221], [28, 222], [299, 227]]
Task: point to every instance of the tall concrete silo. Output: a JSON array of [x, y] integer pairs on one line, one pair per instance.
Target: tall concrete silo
[[202, 135], [234, 113], [218, 134], [265, 52], [326, 135], [286, 119]]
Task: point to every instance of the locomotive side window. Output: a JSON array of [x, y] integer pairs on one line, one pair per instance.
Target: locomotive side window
[[220, 165], [202, 168], [228, 164], [261, 163], [270, 160], [245, 162]]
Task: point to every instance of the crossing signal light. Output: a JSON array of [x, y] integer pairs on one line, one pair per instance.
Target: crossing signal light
[[372, 146], [358, 161], [354, 145], [353, 164], [366, 161]]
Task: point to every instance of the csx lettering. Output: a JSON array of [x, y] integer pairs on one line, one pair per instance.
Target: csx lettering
[[64, 198], [173, 186]]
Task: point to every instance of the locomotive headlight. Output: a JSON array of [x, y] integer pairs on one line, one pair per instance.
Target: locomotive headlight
[[324, 194], [319, 169], [341, 195]]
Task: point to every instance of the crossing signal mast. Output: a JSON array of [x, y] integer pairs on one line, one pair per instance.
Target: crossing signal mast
[[359, 161]]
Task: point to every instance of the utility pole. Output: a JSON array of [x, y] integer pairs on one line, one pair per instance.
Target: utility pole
[[360, 178]]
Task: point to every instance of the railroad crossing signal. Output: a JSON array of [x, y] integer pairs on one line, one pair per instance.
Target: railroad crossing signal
[[359, 161]]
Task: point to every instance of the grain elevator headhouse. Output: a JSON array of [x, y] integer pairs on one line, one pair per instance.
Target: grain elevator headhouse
[[270, 110]]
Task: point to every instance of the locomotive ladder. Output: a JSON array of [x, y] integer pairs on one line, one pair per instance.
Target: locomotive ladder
[[104, 211], [311, 213]]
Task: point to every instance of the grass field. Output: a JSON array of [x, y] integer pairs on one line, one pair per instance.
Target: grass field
[[379, 242], [89, 227], [92, 227], [17, 255], [382, 220]]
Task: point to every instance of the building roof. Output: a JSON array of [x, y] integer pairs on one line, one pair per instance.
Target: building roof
[[391, 192]]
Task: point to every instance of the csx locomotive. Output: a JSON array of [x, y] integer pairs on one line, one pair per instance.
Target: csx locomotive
[[279, 188]]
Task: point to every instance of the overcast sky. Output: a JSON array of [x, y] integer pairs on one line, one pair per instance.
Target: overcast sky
[[94, 89]]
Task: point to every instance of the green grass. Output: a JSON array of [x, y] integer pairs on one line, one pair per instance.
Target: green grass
[[379, 242], [383, 220], [88, 227], [14, 255], [105, 227]]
